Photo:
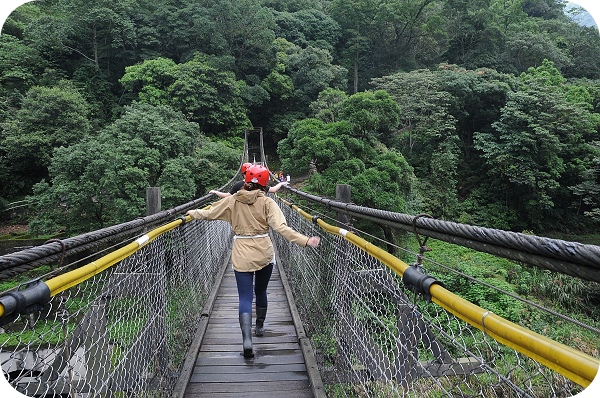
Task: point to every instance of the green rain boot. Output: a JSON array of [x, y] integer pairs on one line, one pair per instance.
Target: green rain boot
[[246, 326], [261, 313]]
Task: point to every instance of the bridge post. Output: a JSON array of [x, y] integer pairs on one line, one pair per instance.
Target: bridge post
[[343, 194], [152, 200]]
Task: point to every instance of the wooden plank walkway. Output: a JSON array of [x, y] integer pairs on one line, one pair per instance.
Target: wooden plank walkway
[[278, 368]]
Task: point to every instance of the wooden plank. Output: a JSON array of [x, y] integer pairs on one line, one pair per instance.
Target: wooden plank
[[247, 377], [232, 346], [233, 359], [202, 389], [259, 394], [253, 368]]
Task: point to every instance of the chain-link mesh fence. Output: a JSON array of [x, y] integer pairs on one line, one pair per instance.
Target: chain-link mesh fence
[[125, 331], [373, 337]]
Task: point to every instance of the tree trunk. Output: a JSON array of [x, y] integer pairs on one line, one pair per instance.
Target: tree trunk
[[356, 73]]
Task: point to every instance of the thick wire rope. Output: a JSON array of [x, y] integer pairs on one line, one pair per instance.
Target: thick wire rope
[[572, 258]]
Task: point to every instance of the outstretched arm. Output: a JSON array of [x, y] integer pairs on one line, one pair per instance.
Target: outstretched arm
[[276, 187], [219, 193], [276, 220]]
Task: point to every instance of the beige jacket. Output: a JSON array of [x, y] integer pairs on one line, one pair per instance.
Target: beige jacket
[[251, 213]]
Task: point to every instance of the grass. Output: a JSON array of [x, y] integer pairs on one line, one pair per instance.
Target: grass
[[26, 276], [588, 239]]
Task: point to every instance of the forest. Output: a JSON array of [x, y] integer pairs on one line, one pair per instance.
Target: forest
[[484, 112]]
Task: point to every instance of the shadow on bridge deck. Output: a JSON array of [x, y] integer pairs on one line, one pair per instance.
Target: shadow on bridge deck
[[278, 369]]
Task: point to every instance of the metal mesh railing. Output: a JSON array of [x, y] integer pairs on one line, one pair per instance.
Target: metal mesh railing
[[126, 330], [123, 325], [374, 337]]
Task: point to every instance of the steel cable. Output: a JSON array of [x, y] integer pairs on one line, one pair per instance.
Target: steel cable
[[571, 258]]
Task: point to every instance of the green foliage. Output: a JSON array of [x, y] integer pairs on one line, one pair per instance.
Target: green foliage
[[49, 117], [483, 208], [207, 95], [228, 66], [150, 80], [307, 27], [485, 268], [371, 114], [216, 162], [312, 142], [382, 37], [72, 33], [386, 185], [102, 180], [52, 332], [20, 65], [440, 198], [572, 295], [539, 147], [328, 105], [240, 29], [424, 118], [312, 70], [279, 85], [545, 74]]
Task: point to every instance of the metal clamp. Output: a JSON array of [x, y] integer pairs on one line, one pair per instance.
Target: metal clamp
[[483, 320], [18, 302], [418, 282]]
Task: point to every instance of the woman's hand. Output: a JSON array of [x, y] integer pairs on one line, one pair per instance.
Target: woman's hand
[[313, 241]]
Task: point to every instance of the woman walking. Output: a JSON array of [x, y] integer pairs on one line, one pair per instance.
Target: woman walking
[[251, 213]]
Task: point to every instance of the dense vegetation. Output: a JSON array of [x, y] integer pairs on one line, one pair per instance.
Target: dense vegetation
[[478, 111]]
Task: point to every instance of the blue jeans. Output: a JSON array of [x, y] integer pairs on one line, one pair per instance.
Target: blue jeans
[[246, 280]]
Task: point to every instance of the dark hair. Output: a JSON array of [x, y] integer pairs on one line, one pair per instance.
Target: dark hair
[[251, 186]]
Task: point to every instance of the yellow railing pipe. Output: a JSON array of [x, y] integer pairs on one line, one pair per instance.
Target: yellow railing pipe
[[571, 363], [72, 278]]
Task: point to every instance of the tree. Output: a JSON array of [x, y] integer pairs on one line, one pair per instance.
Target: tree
[[150, 80], [173, 29], [50, 117], [385, 184], [20, 65], [356, 20], [547, 9], [241, 29], [76, 32], [425, 122], [371, 114], [308, 27], [312, 143], [379, 178], [477, 31], [328, 105], [207, 95], [312, 70], [384, 36], [146, 147], [439, 189], [538, 149], [215, 162], [526, 48], [298, 77]]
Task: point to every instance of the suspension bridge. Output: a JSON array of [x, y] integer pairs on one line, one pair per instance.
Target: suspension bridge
[[148, 308]]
